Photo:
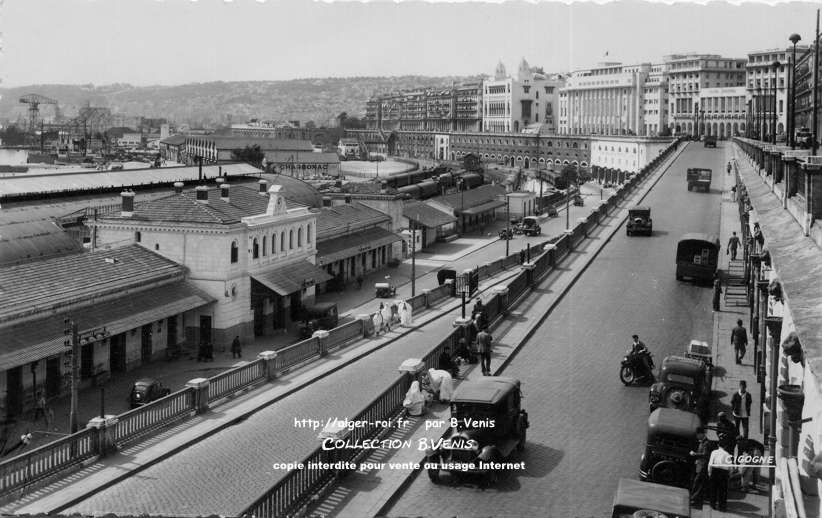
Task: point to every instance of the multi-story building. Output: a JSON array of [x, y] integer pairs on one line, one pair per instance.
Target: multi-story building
[[655, 101], [217, 148], [510, 105], [457, 108], [688, 74], [722, 111], [804, 91], [767, 88], [270, 129], [609, 99]]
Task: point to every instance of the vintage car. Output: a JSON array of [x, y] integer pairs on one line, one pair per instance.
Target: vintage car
[[530, 226], [506, 233], [699, 179], [490, 425], [699, 350], [636, 499], [639, 221], [578, 201], [697, 257], [671, 437], [551, 211], [145, 391], [683, 384], [319, 316], [710, 141], [385, 290]]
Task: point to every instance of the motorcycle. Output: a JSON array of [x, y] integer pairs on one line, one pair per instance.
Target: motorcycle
[[630, 372]]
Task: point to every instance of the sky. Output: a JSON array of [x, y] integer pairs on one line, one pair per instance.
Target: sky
[[152, 42]]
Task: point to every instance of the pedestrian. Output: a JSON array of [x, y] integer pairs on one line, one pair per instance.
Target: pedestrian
[[700, 457], [725, 430], [739, 339], [717, 291], [758, 237], [236, 349], [718, 472], [741, 408], [387, 315], [484, 348], [463, 353], [729, 167], [40, 409], [733, 193], [749, 473], [446, 363], [733, 244], [522, 257]]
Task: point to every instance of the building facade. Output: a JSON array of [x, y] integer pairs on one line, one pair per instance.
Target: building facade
[[626, 154], [723, 112], [458, 108], [688, 74], [219, 148], [510, 105], [768, 90]]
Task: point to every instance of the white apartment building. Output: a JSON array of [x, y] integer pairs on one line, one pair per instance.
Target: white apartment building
[[688, 74], [605, 100], [760, 81], [511, 105], [723, 111], [655, 100]]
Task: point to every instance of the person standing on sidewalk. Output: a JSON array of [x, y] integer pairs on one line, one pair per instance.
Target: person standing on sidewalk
[[717, 291], [733, 245], [741, 408], [484, 348], [236, 348], [718, 472], [739, 339], [700, 457]]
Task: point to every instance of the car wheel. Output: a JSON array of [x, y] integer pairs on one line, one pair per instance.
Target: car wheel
[[628, 232], [627, 375], [664, 472], [434, 475]]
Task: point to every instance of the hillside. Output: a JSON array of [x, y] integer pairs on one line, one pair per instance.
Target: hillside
[[198, 104]]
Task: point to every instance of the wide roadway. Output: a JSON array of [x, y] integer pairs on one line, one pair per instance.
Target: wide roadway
[[587, 429]]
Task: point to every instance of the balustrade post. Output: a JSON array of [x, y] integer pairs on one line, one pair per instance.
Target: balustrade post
[[569, 238], [581, 222], [322, 341], [502, 293], [270, 359], [427, 294], [367, 325], [529, 269], [200, 386], [105, 427]]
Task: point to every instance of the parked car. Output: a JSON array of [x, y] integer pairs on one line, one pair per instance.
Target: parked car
[[710, 140], [671, 436], [578, 201], [530, 226], [804, 138], [699, 350], [639, 221], [145, 391], [323, 315], [551, 211], [699, 179], [490, 425], [684, 384], [644, 499]]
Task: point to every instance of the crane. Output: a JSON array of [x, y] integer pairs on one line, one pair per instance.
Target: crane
[[34, 101]]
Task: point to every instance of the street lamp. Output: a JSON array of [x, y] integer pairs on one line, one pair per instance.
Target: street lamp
[[775, 65], [793, 38], [702, 118], [414, 256], [696, 116], [507, 223], [759, 132]]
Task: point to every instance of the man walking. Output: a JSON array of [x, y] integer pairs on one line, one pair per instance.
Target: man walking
[[717, 291], [741, 408], [718, 471], [700, 457], [236, 349], [739, 339], [484, 349], [733, 245]]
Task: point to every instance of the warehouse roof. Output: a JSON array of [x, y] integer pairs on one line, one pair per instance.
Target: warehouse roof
[[342, 219]]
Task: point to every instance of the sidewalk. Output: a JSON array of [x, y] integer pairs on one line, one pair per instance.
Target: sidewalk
[[368, 493], [727, 372]]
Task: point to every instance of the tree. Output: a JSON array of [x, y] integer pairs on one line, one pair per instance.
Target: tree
[[567, 177], [250, 154]]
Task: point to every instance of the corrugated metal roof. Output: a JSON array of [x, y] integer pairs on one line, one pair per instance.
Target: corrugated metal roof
[[485, 207], [266, 144], [42, 285], [471, 197], [36, 339], [426, 215], [283, 157], [331, 221], [351, 244], [34, 240], [289, 278], [86, 181]]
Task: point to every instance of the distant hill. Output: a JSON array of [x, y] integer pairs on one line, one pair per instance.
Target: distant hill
[[210, 104]]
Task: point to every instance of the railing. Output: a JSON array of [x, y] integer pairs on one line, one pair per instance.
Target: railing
[[295, 354], [417, 301], [518, 285], [18, 472], [440, 292], [145, 419], [236, 379], [345, 333]]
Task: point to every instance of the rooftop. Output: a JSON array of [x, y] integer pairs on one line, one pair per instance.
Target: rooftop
[[472, 197], [339, 219]]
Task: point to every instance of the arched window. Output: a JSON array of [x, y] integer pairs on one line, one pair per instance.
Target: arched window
[[235, 252], [282, 242], [308, 235], [265, 249], [291, 240], [255, 249], [273, 243], [299, 237]]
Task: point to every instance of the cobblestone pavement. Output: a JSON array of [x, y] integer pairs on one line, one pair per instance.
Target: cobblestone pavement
[[587, 429]]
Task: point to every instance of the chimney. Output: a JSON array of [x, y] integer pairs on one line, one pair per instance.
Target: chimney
[[127, 209], [326, 201], [202, 193], [224, 192], [263, 187], [220, 180], [274, 199], [221, 171], [348, 198], [178, 187]]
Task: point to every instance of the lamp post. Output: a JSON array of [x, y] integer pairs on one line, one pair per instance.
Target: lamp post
[[696, 116], [507, 223], [793, 38], [73, 341], [775, 65], [760, 115], [414, 257], [748, 119], [702, 120]]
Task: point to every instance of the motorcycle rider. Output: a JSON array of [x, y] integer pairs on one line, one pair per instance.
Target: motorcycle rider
[[639, 351]]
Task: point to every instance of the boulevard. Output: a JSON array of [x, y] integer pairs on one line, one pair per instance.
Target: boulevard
[[587, 429]]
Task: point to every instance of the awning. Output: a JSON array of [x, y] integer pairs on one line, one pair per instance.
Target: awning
[[485, 207], [291, 278], [34, 340], [426, 215], [352, 244]]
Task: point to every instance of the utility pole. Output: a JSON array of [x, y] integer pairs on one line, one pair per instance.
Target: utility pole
[[814, 145], [507, 223], [414, 257], [73, 340]]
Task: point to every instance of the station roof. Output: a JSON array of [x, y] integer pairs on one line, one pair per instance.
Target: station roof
[[299, 157], [472, 197], [426, 215], [349, 245], [33, 240], [67, 183], [341, 219], [266, 144]]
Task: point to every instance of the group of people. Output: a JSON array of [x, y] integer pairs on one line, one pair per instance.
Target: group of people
[[434, 385], [388, 315], [714, 468]]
